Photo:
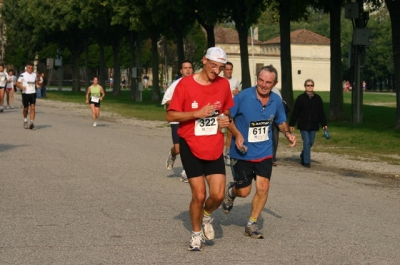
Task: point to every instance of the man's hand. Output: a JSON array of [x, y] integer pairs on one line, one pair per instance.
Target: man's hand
[[223, 121], [204, 112], [291, 138]]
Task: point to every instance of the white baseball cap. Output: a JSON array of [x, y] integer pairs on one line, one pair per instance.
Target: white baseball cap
[[216, 54]]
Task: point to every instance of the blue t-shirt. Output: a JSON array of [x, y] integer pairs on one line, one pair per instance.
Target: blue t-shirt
[[255, 121]]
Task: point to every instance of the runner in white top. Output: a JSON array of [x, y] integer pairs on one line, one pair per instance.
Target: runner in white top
[[3, 81], [27, 83], [234, 84], [186, 70]]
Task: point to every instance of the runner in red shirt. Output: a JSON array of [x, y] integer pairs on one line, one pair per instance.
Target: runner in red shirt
[[201, 105]]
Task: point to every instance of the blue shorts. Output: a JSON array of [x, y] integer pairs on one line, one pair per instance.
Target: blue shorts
[[244, 172]]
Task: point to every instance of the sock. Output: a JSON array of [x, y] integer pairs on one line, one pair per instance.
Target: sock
[[25, 120], [196, 233], [31, 121], [230, 193], [206, 215], [252, 220]]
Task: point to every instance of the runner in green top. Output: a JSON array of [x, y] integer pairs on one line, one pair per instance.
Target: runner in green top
[[97, 94]]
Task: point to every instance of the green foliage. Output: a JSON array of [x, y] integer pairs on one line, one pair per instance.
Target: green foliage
[[379, 54]]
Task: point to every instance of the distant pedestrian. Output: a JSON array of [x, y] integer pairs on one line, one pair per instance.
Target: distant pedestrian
[[96, 94], [3, 82], [39, 77], [27, 83], [308, 113], [111, 81], [146, 81], [44, 85], [10, 88]]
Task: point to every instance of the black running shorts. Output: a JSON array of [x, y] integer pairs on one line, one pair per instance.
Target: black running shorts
[[196, 167]]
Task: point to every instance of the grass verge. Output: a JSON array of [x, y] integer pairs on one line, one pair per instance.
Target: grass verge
[[375, 139]]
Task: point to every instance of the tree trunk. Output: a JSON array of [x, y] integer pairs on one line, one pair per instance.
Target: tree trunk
[[87, 71], [75, 70], [286, 55], [336, 112], [179, 48], [117, 68], [139, 67], [210, 35], [102, 68], [394, 7], [244, 55], [132, 50], [155, 96]]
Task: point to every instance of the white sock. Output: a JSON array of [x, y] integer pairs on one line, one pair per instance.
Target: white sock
[[25, 120]]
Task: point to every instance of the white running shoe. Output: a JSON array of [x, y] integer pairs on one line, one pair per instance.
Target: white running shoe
[[196, 242], [94, 124], [208, 229], [184, 177], [169, 164]]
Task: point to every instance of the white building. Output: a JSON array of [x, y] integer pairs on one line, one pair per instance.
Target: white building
[[310, 56]]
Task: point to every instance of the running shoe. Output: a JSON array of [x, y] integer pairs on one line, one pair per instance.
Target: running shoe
[[12, 107], [252, 231], [169, 164], [227, 204], [227, 160], [31, 126], [196, 242], [208, 229], [184, 177], [26, 126], [94, 124], [1, 110]]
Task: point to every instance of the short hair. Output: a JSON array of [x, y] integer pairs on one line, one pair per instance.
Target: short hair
[[2, 65], [270, 68], [229, 63], [309, 80], [187, 61]]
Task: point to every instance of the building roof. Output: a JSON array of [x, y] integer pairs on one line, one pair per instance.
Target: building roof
[[228, 35], [302, 36]]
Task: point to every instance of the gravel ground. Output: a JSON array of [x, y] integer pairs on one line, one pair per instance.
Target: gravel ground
[[323, 161]]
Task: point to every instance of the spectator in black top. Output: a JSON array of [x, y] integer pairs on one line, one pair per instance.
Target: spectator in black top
[[308, 113]]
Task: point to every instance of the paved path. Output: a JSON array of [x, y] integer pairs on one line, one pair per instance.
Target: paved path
[[74, 194]]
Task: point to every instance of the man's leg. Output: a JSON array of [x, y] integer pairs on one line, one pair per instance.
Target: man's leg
[[216, 183], [260, 197], [32, 114], [198, 188], [169, 163]]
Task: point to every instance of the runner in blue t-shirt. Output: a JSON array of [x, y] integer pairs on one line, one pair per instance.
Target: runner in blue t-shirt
[[254, 112]]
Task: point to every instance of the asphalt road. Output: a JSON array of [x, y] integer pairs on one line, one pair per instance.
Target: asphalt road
[[74, 194]]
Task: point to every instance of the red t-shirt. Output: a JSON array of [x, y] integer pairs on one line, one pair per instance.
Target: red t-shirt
[[190, 96]]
